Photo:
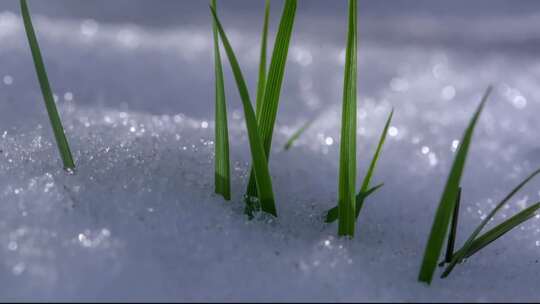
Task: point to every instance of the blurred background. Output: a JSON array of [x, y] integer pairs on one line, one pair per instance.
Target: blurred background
[[388, 21], [161, 35], [170, 13]]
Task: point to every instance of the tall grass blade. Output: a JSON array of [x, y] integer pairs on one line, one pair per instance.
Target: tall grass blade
[[364, 191], [453, 229], [458, 257], [54, 117], [261, 83], [260, 164], [297, 134], [222, 177], [276, 73], [448, 200], [267, 115], [347, 155]]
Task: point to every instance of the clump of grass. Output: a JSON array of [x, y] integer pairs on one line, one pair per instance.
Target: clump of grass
[[269, 101], [258, 155], [496, 232], [222, 178], [448, 200], [475, 243], [449, 209], [54, 117]]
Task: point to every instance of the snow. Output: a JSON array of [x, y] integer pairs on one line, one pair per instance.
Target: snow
[[139, 221]]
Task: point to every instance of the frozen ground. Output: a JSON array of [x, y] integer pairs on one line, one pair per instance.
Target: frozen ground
[[139, 221]]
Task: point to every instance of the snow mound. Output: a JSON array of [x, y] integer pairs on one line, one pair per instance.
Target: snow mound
[[138, 220]]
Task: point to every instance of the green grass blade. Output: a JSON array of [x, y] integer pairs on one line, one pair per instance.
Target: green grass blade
[[448, 200], [268, 110], [374, 159], [54, 117], [297, 134], [260, 164], [364, 195], [458, 257], [364, 192], [222, 177], [332, 214], [261, 83], [453, 229], [347, 155], [276, 74], [501, 229]]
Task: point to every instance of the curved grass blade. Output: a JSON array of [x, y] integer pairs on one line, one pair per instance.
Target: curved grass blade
[[222, 176], [332, 214], [260, 164], [267, 115], [261, 83], [54, 117], [374, 159], [297, 134], [501, 229], [441, 221], [347, 155], [453, 229], [458, 257]]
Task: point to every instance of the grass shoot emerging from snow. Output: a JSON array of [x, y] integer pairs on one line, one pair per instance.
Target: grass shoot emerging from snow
[[222, 178], [258, 155], [449, 210], [365, 190], [474, 244], [268, 107], [54, 117], [498, 231], [347, 155], [448, 200]]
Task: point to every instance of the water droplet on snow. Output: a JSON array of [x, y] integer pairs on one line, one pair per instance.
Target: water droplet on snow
[[8, 80], [13, 246], [89, 27], [432, 159], [68, 96], [329, 141], [399, 84], [393, 131], [519, 102], [448, 93], [455, 144], [18, 269]]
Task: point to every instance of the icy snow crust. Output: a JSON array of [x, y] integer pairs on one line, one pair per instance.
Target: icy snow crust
[[139, 219]]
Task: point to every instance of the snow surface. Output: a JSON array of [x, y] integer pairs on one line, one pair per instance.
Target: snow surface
[[139, 220]]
